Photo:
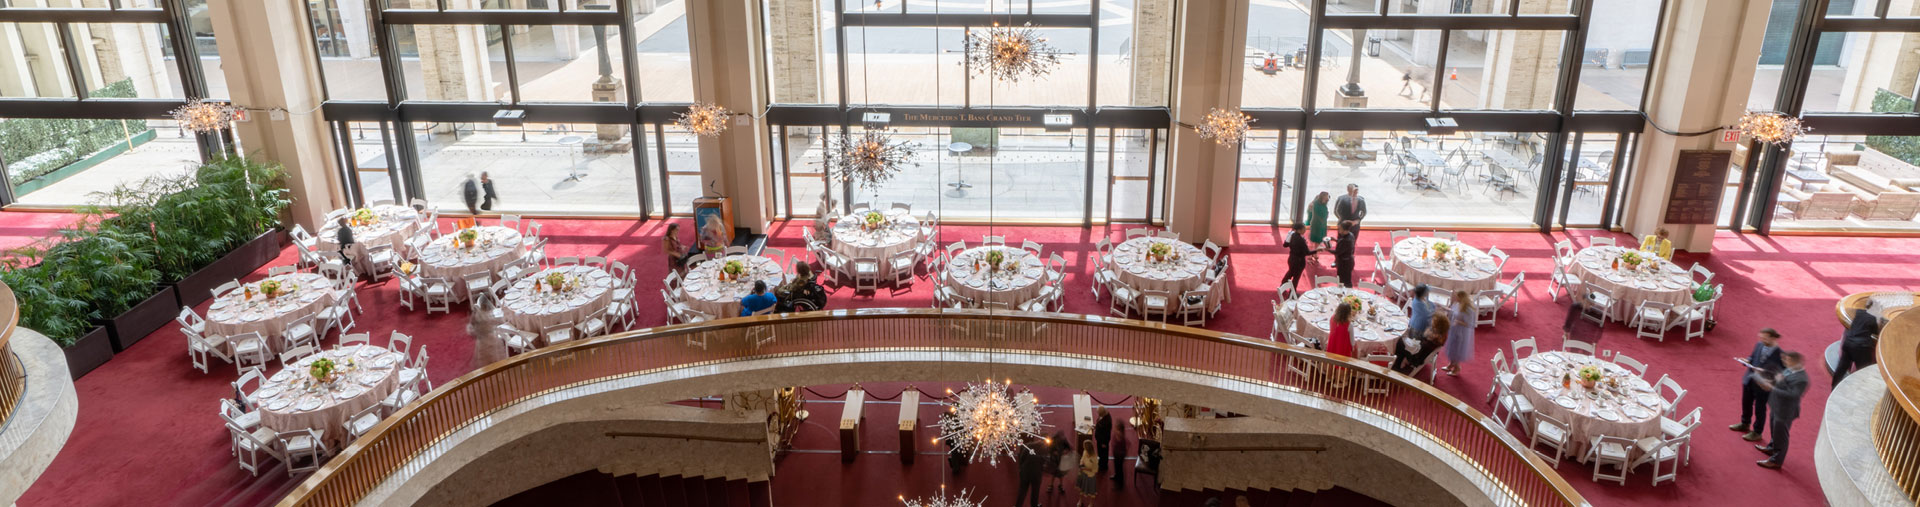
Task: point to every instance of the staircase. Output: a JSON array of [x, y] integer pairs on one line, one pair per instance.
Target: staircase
[[595, 488], [1295, 498]]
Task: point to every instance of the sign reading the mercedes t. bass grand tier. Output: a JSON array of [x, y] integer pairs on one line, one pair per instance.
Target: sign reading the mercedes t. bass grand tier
[[1698, 180]]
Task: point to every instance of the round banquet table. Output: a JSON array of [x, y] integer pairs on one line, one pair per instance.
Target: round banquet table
[[396, 224], [1372, 334], [1662, 281], [900, 233], [1176, 276], [1471, 270], [1630, 411], [233, 314], [529, 310], [1011, 287], [721, 299], [495, 247], [292, 400]]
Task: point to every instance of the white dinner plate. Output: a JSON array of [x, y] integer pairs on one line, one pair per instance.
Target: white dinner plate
[[1536, 368], [349, 393], [267, 392], [281, 376], [1554, 358], [371, 378], [278, 404], [1608, 415], [1648, 400], [1636, 412], [310, 404], [1540, 384], [366, 351], [1567, 402], [251, 317], [384, 362]]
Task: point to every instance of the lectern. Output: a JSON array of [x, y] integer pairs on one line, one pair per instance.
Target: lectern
[[713, 208]]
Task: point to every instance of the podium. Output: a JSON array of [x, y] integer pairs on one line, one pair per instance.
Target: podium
[[713, 208]]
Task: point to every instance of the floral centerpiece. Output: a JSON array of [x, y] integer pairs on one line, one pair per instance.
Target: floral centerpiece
[[1355, 302], [1158, 252], [875, 220], [558, 281], [1631, 258], [1589, 375], [270, 288], [994, 258], [467, 236], [733, 270], [1441, 249], [364, 216], [322, 370]]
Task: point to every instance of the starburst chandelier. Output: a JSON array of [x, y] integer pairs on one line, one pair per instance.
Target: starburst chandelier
[[1224, 126], [942, 500], [1772, 127], [1009, 54], [987, 421], [870, 159], [202, 116], [704, 119]]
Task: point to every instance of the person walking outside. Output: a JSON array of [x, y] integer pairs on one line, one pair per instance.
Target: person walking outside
[[487, 195], [470, 193]]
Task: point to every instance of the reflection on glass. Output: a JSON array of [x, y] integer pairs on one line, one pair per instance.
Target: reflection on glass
[[1276, 55], [1858, 183], [127, 60], [1502, 69], [1136, 54], [373, 160], [1590, 169], [1472, 178], [541, 168], [1257, 186], [986, 173], [1619, 47], [453, 62], [1877, 75], [1400, 76], [563, 63], [46, 157], [45, 76]]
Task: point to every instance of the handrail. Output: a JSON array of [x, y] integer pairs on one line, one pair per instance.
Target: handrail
[[1477, 440], [1896, 431], [13, 380]]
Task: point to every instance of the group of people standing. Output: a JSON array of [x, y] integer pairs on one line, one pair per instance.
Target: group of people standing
[[1056, 459], [1310, 238]]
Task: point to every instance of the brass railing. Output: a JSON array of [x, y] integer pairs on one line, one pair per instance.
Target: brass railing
[[13, 380], [1895, 431], [1519, 476]]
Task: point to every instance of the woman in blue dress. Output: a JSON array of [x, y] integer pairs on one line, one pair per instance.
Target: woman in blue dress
[[1460, 336]]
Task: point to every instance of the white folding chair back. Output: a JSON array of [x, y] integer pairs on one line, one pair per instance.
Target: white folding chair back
[[225, 288], [993, 240], [1523, 348], [1600, 241], [1577, 346], [1446, 235], [281, 270], [350, 339], [1638, 368], [1138, 233], [1325, 281], [1167, 235], [1400, 235]]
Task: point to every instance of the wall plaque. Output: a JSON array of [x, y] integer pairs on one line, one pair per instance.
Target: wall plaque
[[1698, 180]]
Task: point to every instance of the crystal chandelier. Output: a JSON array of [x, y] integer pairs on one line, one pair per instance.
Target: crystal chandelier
[[704, 119], [942, 500], [986, 421], [1009, 54], [870, 159], [202, 116], [1771, 127], [1224, 127]]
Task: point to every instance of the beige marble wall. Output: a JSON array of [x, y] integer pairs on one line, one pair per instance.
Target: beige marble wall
[[43, 419]]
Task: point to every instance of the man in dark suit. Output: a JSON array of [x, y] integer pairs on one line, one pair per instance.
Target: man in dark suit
[[1103, 435], [1350, 207], [1762, 363], [1297, 252], [1031, 464], [1785, 390], [1343, 252]]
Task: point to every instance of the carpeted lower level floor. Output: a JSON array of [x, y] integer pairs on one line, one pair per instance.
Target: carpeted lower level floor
[[148, 429]]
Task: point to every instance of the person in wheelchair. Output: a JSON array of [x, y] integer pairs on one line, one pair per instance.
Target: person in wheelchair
[[801, 293]]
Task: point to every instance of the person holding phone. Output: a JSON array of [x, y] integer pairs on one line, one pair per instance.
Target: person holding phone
[[1762, 363]]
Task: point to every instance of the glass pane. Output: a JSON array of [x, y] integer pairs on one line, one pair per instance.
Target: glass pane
[[562, 63], [914, 65], [1879, 75], [981, 173], [541, 168], [200, 23], [1502, 69], [1276, 55], [1774, 46], [31, 61], [348, 57], [1613, 71], [1065, 84], [1590, 172], [1253, 202], [45, 158], [1136, 51], [683, 169], [127, 60], [1353, 6], [806, 176], [1136, 161], [462, 63], [1407, 178], [665, 64], [802, 64], [1856, 183], [1401, 76], [373, 161]]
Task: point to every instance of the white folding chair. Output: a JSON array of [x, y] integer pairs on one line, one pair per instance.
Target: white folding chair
[[1600, 241], [1446, 235], [510, 222], [1499, 259], [1193, 308], [1523, 348], [250, 446], [1138, 233], [1557, 435], [250, 351], [225, 288], [281, 270], [866, 274], [993, 240], [301, 331], [400, 342], [594, 325], [900, 266], [1577, 346], [1605, 450], [439, 295], [1398, 235], [364, 421], [1599, 304], [1638, 368], [1030, 246], [295, 354], [1326, 281], [1661, 452], [1164, 234], [517, 341], [557, 333], [1700, 274], [1652, 319], [1156, 302]]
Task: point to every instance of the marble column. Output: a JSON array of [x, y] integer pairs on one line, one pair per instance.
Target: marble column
[[271, 72], [729, 70], [793, 41], [1151, 58], [1201, 173], [1522, 67], [1694, 90]]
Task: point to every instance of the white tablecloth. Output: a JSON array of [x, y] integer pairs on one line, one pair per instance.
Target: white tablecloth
[[292, 400], [1465, 268], [396, 224], [1372, 332], [900, 233], [1175, 276], [529, 310], [495, 247], [1661, 281], [706, 293], [232, 314], [1631, 411], [1016, 283]]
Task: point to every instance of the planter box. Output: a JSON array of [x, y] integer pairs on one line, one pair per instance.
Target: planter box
[[143, 319], [92, 350], [196, 287]]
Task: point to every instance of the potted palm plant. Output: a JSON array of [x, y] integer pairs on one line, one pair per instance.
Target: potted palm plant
[[47, 306]]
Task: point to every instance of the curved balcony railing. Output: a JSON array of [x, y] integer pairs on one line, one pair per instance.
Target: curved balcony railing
[[13, 380], [1896, 434], [1522, 476]]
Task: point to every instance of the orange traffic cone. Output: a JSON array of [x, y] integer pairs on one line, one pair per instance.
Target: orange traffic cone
[[1455, 75]]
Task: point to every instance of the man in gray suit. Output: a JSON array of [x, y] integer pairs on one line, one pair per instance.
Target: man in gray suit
[[1783, 400], [1350, 208]]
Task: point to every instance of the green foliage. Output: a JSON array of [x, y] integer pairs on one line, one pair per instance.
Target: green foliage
[[1905, 148], [35, 147], [138, 235]]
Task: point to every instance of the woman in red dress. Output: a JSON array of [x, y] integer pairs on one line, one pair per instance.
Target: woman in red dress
[[1340, 333]]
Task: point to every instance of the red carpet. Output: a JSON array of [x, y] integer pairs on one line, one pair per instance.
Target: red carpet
[[148, 428]]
